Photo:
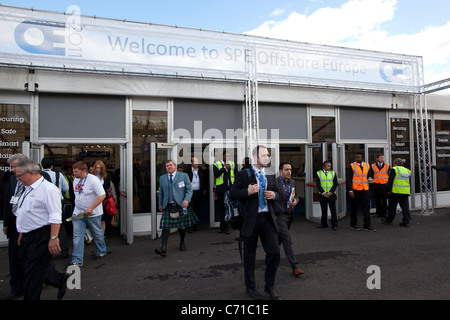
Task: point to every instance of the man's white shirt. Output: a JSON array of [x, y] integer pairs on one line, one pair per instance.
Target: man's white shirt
[[38, 206]]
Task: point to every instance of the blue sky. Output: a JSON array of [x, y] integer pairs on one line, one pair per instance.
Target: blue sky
[[401, 26]]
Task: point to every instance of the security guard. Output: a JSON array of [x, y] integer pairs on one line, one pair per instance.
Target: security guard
[[224, 173], [399, 189], [327, 184], [358, 190], [379, 171]]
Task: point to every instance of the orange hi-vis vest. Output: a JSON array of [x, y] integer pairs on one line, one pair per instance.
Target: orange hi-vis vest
[[380, 176], [360, 181]]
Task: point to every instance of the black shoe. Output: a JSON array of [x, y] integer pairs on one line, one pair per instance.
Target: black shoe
[[271, 292], [355, 227], [385, 221], [334, 228], [370, 228], [182, 246], [322, 227], [254, 294], [161, 251], [12, 296], [406, 225], [62, 289]]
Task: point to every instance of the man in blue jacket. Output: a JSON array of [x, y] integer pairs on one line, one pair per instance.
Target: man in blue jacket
[[175, 193]]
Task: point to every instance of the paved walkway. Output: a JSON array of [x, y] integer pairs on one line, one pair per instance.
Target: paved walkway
[[413, 264]]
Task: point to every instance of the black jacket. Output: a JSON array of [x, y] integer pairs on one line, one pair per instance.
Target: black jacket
[[280, 203], [201, 176], [248, 202]]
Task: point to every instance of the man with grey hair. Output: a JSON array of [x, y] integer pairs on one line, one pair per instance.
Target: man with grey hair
[[38, 221], [14, 190]]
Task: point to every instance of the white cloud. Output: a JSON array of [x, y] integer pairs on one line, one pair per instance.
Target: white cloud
[[277, 12], [359, 24]]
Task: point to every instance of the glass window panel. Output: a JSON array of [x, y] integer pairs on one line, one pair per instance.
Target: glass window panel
[[148, 126]]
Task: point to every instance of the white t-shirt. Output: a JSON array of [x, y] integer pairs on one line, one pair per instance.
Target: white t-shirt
[[87, 190]]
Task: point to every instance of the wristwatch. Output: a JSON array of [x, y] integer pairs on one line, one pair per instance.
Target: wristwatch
[[53, 237]]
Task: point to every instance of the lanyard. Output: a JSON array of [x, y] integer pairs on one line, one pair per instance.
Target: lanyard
[[79, 186], [288, 191], [24, 195]]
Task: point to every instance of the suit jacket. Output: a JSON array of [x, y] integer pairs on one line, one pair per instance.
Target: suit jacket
[[280, 205], [249, 203], [201, 176], [10, 218], [181, 188]]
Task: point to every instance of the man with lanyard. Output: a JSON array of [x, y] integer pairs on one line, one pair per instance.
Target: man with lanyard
[[379, 171], [399, 189], [358, 190], [256, 194], [224, 174], [38, 222], [327, 184], [14, 191], [284, 207], [89, 195]]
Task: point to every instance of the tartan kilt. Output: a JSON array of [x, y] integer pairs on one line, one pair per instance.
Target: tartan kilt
[[185, 221]]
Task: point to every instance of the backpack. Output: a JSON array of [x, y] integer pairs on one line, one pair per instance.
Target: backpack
[[236, 220], [66, 204]]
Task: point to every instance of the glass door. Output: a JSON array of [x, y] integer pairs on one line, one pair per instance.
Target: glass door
[[212, 154], [338, 166], [316, 154], [371, 153], [160, 153]]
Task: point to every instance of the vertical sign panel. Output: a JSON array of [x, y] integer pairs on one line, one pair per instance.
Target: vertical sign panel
[[14, 130]]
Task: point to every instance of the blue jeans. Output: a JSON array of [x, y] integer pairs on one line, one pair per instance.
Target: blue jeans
[[79, 229]]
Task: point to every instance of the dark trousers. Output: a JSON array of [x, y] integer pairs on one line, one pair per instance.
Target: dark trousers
[[324, 204], [63, 243], [284, 224], [362, 198], [15, 270], [402, 200], [266, 231], [220, 207], [36, 263], [196, 201], [380, 194]]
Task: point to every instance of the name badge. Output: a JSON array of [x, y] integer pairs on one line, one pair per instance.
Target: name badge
[[181, 184], [14, 200]]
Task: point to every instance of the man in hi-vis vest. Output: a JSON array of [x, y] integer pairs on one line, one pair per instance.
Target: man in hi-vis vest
[[224, 173], [358, 190], [327, 183], [399, 189], [379, 171]]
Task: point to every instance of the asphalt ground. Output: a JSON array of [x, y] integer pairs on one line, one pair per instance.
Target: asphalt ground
[[413, 265]]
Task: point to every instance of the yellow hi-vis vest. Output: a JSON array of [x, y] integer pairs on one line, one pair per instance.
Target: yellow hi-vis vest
[[401, 183], [326, 180], [219, 165], [359, 181]]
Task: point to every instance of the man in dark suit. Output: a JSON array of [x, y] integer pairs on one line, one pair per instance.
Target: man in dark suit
[[197, 177], [256, 192], [284, 209]]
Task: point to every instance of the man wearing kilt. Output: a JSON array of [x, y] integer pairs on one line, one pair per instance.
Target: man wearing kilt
[[175, 193]]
